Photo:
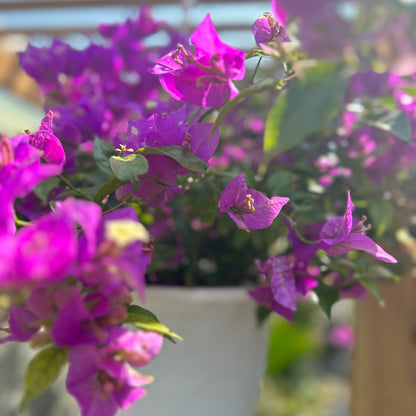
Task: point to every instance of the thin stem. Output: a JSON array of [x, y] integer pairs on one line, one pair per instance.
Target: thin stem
[[293, 224], [116, 207], [255, 70], [212, 172], [19, 222], [69, 183]]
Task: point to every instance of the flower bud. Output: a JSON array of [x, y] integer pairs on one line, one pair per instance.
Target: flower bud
[[267, 29]]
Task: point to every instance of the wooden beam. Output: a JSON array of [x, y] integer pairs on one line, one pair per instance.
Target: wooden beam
[[60, 31], [383, 375], [43, 4], [46, 4]]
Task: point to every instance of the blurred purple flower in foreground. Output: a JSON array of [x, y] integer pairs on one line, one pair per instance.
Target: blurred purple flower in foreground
[[22, 169], [103, 380]]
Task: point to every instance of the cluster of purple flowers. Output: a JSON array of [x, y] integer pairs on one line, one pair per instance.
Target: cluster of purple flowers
[[73, 271], [73, 250]]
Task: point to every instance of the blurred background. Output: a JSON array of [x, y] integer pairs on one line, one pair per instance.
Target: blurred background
[[309, 364], [309, 371], [76, 22]]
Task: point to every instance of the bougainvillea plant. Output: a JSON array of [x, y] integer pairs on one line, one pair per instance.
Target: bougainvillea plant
[[179, 164]]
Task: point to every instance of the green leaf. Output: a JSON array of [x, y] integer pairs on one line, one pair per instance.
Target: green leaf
[[144, 319], [250, 179], [186, 159], [381, 214], [410, 90], [262, 313], [288, 342], [387, 102], [91, 191], [327, 297], [373, 288], [280, 183], [42, 190], [395, 122], [107, 189], [128, 167], [204, 201], [308, 106], [376, 270], [41, 372], [136, 183], [102, 153], [256, 88]]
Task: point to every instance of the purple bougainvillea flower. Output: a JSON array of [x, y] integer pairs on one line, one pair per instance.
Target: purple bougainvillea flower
[[22, 325], [249, 208], [111, 246], [46, 249], [323, 31], [128, 236], [21, 168], [305, 275], [137, 348], [264, 296], [88, 215], [279, 274], [132, 30], [41, 306], [112, 254], [158, 185], [45, 140], [45, 65], [173, 129], [97, 392], [279, 12], [343, 234], [41, 252], [341, 336], [206, 77], [371, 84], [279, 292], [267, 29], [74, 323], [102, 380]]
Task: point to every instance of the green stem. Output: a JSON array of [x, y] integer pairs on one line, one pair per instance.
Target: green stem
[[116, 207], [293, 224], [255, 70], [69, 183], [206, 115], [19, 222], [212, 172]]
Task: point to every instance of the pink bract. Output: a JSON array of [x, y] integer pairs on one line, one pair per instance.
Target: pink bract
[[206, 77]]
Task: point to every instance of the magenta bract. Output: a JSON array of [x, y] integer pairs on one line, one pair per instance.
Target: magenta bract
[[267, 29], [102, 379], [343, 234], [249, 208], [206, 77]]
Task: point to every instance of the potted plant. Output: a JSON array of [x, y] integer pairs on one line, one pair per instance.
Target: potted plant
[[178, 166]]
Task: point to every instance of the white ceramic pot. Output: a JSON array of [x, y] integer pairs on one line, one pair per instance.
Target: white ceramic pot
[[217, 369]]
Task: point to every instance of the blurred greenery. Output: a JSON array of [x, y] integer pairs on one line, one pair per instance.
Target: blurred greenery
[[306, 376]]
